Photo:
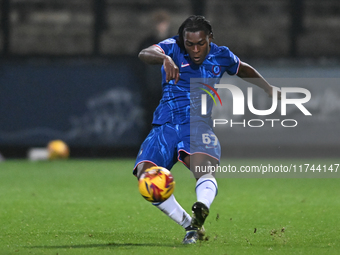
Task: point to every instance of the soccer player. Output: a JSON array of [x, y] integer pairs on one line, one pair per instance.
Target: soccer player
[[190, 54]]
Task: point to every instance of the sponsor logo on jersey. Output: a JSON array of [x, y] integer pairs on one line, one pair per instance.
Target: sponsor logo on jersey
[[185, 65]]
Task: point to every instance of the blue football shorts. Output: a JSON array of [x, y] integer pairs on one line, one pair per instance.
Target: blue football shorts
[[166, 144]]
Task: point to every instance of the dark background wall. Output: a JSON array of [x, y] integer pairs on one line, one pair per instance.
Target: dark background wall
[[69, 69]]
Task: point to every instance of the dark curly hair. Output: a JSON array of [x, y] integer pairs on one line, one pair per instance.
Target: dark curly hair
[[193, 24]]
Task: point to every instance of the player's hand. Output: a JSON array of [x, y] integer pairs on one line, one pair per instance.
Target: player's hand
[[171, 70], [270, 92]]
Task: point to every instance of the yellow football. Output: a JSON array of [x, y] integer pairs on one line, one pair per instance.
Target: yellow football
[[156, 184], [57, 149]]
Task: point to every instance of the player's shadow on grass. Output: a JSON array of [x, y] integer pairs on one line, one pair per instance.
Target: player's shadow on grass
[[113, 245]]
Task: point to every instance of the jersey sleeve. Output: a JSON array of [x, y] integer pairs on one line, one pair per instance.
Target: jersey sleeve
[[233, 62], [167, 46]]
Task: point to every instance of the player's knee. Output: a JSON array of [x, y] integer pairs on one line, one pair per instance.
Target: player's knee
[[206, 166], [142, 167], [139, 171]]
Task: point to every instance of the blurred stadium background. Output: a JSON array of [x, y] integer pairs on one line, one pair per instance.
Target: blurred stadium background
[[69, 70]]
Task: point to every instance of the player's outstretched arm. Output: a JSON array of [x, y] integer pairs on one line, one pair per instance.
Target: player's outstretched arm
[[246, 71], [153, 55]]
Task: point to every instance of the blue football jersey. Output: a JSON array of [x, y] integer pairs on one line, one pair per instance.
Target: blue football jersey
[[181, 102]]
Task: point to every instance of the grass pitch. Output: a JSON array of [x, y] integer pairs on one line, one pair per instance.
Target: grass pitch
[[93, 207]]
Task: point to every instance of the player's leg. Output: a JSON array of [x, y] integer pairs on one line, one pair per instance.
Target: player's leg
[[170, 206], [200, 152], [199, 156], [160, 139], [206, 186], [206, 189]]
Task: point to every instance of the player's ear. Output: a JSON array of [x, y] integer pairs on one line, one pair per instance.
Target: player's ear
[[211, 37]]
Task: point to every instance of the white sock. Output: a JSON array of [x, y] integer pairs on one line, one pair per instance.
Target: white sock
[[175, 211], [206, 189]]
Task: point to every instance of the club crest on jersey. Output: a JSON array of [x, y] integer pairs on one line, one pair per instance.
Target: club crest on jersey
[[216, 70]]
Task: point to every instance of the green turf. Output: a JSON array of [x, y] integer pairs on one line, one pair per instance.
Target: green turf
[[93, 207]]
